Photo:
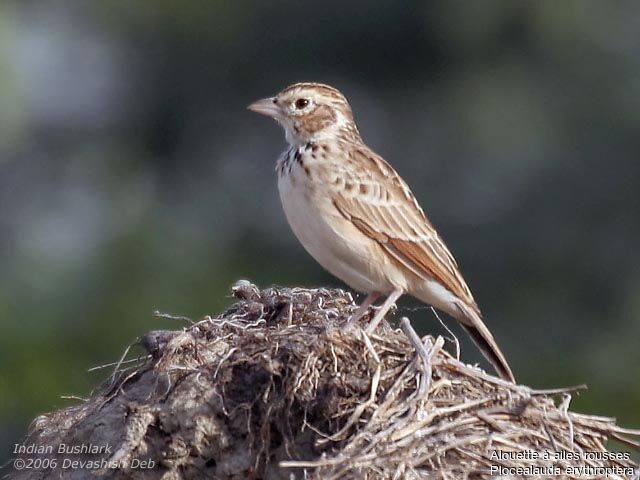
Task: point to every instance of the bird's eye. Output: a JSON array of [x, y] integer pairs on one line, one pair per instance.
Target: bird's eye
[[301, 103]]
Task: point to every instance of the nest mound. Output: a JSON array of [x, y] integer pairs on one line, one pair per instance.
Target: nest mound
[[277, 388]]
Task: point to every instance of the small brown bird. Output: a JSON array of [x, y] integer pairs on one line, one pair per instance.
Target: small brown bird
[[355, 215]]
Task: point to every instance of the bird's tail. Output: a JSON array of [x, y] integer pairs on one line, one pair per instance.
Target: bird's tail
[[472, 322]]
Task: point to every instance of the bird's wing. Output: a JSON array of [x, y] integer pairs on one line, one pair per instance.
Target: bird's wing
[[381, 205]]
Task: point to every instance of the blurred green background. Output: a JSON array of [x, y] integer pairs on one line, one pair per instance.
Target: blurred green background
[[133, 179]]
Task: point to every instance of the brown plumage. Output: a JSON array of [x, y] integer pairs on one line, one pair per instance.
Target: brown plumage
[[357, 217]]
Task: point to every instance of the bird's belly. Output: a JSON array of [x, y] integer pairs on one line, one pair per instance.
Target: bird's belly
[[333, 241]]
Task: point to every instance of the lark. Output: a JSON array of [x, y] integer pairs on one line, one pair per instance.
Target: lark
[[358, 218]]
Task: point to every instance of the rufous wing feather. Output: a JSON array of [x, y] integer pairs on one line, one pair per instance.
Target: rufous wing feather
[[380, 204]]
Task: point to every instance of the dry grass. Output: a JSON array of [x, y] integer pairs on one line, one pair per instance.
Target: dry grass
[[275, 387]]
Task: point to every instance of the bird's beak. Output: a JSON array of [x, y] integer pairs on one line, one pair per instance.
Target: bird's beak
[[266, 106]]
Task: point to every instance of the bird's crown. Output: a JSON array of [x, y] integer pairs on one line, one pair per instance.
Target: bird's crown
[[309, 112]]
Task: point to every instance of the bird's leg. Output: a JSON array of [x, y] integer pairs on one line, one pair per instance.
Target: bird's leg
[[384, 308], [364, 306]]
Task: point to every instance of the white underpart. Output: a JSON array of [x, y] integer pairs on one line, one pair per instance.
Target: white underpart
[[330, 239]]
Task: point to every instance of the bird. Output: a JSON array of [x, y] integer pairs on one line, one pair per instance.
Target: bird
[[359, 219]]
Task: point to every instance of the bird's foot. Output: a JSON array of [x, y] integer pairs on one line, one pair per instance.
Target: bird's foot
[[362, 309], [384, 309]]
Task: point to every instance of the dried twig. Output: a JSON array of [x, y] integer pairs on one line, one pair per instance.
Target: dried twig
[[277, 385]]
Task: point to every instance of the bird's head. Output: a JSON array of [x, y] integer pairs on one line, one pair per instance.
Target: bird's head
[[309, 112]]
